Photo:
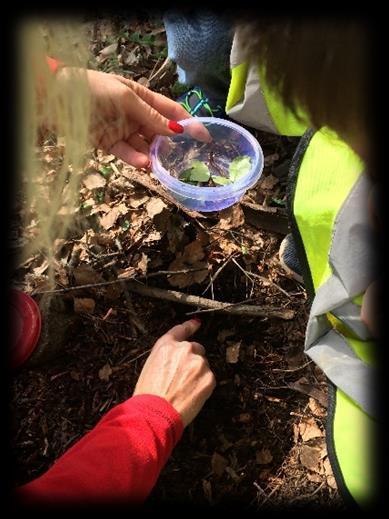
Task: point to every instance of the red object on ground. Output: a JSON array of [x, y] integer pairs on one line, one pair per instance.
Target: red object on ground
[[118, 461], [26, 326]]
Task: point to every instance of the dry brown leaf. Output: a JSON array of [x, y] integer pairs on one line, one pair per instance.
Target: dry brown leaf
[[94, 181], [132, 57], [313, 477], [202, 237], [155, 206], [38, 271], [101, 208], [310, 458], [264, 456], [106, 159], [109, 219], [207, 489], [309, 429], [269, 182], [228, 247], [103, 238], [141, 265], [327, 467], [269, 159], [243, 418], [105, 372], [153, 236], [126, 273], [303, 386], [223, 334], [113, 292], [316, 408], [162, 220], [231, 218], [331, 481], [84, 305], [218, 463], [186, 280], [295, 433], [264, 474], [232, 353], [193, 252], [138, 199], [86, 275], [110, 49], [175, 227]]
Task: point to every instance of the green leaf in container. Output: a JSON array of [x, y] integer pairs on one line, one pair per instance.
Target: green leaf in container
[[222, 181], [198, 172], [239, 167]]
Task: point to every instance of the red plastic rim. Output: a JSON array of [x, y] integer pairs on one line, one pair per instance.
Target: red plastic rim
[[26, 326]]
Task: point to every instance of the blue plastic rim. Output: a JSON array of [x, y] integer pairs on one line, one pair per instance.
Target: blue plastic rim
[[205, 199]]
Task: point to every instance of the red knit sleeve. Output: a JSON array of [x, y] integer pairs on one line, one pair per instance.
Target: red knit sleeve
[[118, 461]]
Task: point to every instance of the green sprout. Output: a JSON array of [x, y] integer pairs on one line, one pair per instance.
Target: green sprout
[[199, 172]]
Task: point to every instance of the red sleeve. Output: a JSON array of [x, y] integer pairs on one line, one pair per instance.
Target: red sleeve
[[118, 461]]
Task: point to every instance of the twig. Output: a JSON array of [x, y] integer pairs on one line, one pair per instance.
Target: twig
[[292, 370], [217, 273], [187, 299], [247, 274], [120, 280], [145, 181], [307, 496], [262, 278], [164, 65], [230, 305]]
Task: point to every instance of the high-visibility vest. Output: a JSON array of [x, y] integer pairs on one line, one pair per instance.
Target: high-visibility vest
[[328, 193]]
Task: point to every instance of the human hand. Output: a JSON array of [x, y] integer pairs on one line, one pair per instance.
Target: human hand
[[178, 371], [126, 116]]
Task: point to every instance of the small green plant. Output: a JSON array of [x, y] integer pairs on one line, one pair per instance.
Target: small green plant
[[200, 174], [137, 37]]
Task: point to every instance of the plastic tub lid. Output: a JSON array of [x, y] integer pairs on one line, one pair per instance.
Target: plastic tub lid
[[26, 326]]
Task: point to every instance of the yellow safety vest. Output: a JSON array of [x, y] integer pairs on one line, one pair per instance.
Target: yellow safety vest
[[328, 205]]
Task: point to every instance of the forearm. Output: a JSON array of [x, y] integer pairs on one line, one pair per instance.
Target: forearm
[[118, 461]]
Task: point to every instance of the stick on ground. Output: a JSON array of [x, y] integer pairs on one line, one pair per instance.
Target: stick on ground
[[202, 302]]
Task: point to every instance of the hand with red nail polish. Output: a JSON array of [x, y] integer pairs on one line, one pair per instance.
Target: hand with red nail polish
[[125, 115]]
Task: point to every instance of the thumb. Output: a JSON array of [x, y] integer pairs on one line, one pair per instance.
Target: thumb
[[183, 331]]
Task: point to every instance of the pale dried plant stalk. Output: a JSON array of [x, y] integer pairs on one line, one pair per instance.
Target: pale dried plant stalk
[[51, 192]]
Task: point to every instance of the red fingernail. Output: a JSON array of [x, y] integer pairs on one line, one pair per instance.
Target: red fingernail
[[175, 127], [197, 319]]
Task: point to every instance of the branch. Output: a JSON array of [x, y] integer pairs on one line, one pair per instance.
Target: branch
[[187, 299]]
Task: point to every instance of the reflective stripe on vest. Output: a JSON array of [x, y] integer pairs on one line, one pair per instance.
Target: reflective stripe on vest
[[330, 209], [251, 102]]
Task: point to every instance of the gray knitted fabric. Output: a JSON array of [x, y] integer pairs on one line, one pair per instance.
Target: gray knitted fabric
[[200, 43]]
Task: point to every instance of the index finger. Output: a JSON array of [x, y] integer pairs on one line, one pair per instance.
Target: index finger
[[165, 106], [169, 109], [183, 331]]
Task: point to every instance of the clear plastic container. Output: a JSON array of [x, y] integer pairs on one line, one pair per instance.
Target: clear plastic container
[[171, 156]]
